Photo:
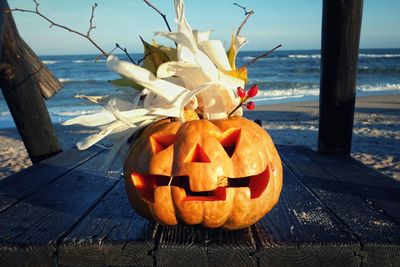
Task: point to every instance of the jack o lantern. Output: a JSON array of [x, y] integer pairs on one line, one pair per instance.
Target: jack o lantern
[[221, 173]]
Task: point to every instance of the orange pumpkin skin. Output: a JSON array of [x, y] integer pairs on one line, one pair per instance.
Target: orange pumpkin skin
[[222, 173]]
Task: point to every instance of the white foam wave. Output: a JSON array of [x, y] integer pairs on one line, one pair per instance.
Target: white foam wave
[[281, 94], [248, 58], [75, 112], [277, 98], [49, 62], [63, 80], [80, 61], [379, 55], [287, 93], [305, 56], [379, 87], [5, 113]]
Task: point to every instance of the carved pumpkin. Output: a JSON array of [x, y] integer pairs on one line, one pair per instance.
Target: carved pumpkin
[[222, 173]]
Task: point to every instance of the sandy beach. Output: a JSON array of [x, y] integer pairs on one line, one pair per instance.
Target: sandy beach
[[376, 133]]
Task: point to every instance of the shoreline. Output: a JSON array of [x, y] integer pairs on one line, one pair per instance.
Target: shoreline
[[376, 132]]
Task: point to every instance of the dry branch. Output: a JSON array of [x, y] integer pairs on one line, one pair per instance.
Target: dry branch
[[261, 56], [159, 12], [55, 24]]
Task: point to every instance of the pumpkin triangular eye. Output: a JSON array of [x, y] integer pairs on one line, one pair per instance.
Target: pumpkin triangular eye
[[229, 140], [162, 142], [198, 155]]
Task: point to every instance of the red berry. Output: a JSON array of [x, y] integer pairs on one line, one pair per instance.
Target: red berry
[[253, 91], [241, 92], [250, 105]]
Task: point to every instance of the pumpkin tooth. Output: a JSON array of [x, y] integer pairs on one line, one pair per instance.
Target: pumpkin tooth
[[222, 181]]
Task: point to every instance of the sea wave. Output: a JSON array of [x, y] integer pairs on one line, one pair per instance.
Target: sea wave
[[64, 80], [80, 61], [49, 62], [72, 113], [379, 87], [305, 56], [258, 99], [89, 81], [250, 58], [290, 92], [5, 113], [380, 55], [379, 70], [269, 58]]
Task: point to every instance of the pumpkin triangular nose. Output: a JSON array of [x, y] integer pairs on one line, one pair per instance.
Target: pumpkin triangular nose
[[198, 155]]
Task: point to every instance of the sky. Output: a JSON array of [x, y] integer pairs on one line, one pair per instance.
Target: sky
[[296, 24]]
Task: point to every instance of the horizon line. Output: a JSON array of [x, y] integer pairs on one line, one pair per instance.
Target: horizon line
[[307, 49]]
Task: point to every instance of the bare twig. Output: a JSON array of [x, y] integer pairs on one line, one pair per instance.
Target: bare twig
[[247, 14], [261, 56], [143, 58], [126, 53], [53, 23], [244, 9], [159, 12], [117, 46], [91, 27], [103, 55]]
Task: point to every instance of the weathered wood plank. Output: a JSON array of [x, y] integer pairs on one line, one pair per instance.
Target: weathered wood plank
[[181, 246], [30, 230], [231, 248], [301, 231], [382, 191], [197, 246], [21, 77], [378, 189], [47, 83], [26, 182], [112, 234], [341, 26], [356, 197]]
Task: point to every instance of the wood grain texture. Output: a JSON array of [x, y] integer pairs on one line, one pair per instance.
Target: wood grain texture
[[358, 198], [34, 225], [83, 218], [112, 234], [14, 45], [382, 191], [301, 231], [22, 75], [184, 245], [16, 187], [341, 26]]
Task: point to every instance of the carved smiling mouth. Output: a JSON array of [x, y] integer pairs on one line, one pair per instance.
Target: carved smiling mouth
[[145, 184]]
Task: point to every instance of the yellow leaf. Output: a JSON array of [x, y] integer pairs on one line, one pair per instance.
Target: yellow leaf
[[232, 54], [240, 73]]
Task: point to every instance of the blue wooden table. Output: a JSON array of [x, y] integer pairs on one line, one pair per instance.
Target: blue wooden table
[[66, 211]]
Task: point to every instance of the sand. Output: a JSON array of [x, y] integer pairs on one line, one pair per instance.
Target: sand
[[376, 133]]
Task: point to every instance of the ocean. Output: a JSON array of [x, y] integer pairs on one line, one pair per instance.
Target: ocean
[[283, 76]]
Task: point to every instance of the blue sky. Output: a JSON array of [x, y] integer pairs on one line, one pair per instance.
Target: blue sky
[[294, 24]]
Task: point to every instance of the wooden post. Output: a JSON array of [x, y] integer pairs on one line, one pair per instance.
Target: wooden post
[[341, 26], [21, 77]]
